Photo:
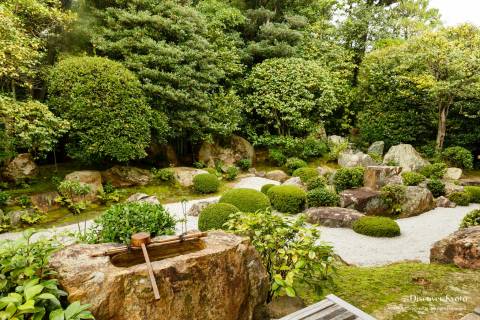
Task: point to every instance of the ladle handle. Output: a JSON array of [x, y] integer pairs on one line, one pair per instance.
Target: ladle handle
[[150, 272]]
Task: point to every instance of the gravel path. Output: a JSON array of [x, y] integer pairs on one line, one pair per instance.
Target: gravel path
[[418, 233]]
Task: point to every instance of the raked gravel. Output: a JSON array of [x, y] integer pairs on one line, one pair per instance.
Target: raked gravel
[[418, 233]]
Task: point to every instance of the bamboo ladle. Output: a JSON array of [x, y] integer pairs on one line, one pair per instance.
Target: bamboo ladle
[[141, 240]]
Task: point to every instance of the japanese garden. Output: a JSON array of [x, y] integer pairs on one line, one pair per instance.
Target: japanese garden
[[238, 160]]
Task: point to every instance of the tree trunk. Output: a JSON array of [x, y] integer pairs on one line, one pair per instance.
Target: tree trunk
[[442, 126]]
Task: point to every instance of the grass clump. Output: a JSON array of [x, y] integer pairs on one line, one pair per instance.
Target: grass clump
[[377, 227], [215, 216], [287, 198], [246, 200]]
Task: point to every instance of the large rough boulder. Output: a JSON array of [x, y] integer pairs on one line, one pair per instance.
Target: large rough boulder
[[235, 149], [333, 217], [378, 176], [277, 175], [364, 200], [443, 202], [377, 148], [45, 201], [350, 158], [451, 187], [461, 248], [89, 177], [122, 176], [453, 174], [20, 168], [419, 200], [143, 197], [185, 175], [336, 140], [406, 157], [225, 280]]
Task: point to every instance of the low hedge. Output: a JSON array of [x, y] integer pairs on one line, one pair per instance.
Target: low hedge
[[266, 187], [377, 227], [316, 182], [412, 178], [246, 200], [287, 198], [472, 219], [474, 193], [206, 183], [293, 164], [305, 173], [460, 198], [215, 215], [322, 197]]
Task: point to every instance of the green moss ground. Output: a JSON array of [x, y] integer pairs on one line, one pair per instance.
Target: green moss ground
[[386, 292]]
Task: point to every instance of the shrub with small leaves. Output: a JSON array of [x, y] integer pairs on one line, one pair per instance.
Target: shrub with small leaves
[[244, 164], [437, 187], [458, 157], [472, 219], [314, 148], [376, 227], [206, 183], [246, 200], [322, 197], [293, 164], [460, 198], [287, 198], [165, 174], [316, 182], [214, 216], [276, 157], [474, 192], [394, 195], [232, 173], [305, 173], [4, 196], [412, 178], [348, 178], [266, 187], [199, 164], [434, 171]]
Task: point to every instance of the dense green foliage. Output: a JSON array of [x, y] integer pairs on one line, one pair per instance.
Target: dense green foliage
[[472, 219], [293, 164], [376, 227], [460, 198], [215, 216], [266, 187], [412, 178], [232, 173], [246, 200], [305, 173], [119, 222], [316, 182], [105, 105], [474, 193], [290, 250], [206, 183], [347, 178], [437, 187], [394, 195], [287, 198], [434, 171], [458, 157], [322, 197]]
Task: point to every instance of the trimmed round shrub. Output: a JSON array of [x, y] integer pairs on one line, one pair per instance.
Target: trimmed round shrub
[[474, 193], [412, 178], [377, 227], [246, 200], [322, 197], [460, 198], [458, 157], [266, 187], [287, 198], [305, 173], [348, 178], [120, 221], [215, 215], [437, 187], [434, 171], [206, 183], [317, 182], [472, 219], [293, 164]]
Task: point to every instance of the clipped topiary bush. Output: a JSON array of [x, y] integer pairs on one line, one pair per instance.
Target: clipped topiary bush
[[458, 157], [472, 219], [293, 164], [305, 173], [474, 193], [287, 198], [246, 200], [205, 183], [316, 182], [266, 187], [348, 178], [215, 215], [460, 198], [322, 197], [412, 178], [377, 227], [434, 171], [437, 187]]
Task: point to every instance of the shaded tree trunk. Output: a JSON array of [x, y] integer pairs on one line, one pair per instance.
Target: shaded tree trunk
[[442, 126]]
